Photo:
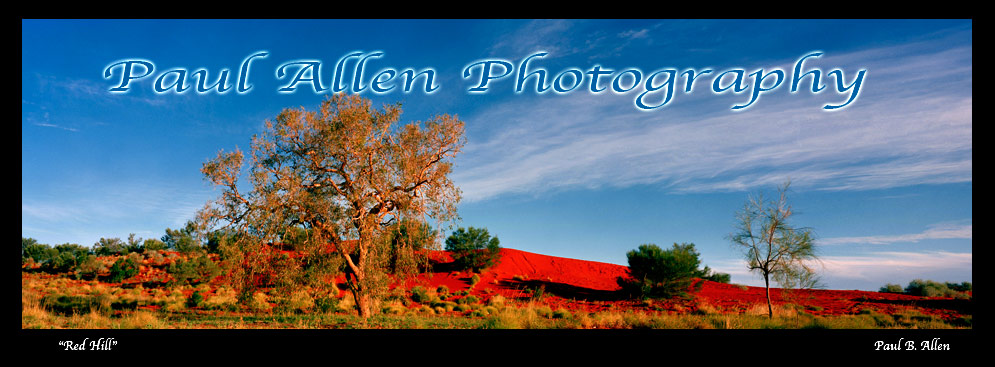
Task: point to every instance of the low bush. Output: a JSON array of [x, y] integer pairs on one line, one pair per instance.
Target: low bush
[[259, 302], [537, 294], [298, 302], [195, 299], [125, 267], [544, 311], [89, 268], [73, 305], [892, 288], [929, 288], [394, 308], [420, 294], [223, 299], [658, 273], [473, 248], [467, 300], [194, 271]]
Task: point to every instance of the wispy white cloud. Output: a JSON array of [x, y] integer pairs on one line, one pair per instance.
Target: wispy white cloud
[[90, 90], [536, 35], [872, 270], [634, 34], [83, 213], [897, 265], [937, 232], [892, 136], [55, 126]]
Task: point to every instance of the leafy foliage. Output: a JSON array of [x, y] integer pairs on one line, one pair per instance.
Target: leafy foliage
[[32, 251], [196, 299], [89, 268], [185, 239], [345, 173], [125, 267], [717, 277], [109, 246], [134, 244], [929, 288], [69, 256], [421, 295], [194, 271], [153, 244], [773, 247], [658, 273], [892, 288], [406, 245], [473, 248]]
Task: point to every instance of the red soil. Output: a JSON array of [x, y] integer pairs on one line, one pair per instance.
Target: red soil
[[579, 285]]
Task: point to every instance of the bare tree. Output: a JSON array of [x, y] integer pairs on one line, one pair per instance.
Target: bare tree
[[345, 173], [774, 248]]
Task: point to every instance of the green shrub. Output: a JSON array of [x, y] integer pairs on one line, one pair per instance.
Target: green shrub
[[544, 311], [125, 267], [962, 287], [929, 288], [892, 288], [153, 244], [70, 305], [442, 291], [718, 277], [474, 280], [473, 248], [468, 300], [326, 304], [69, 256], [32, 251], [194, 271], [658, 273], [184, 239], [109, 246], [561, 313], [195, 299], [421, 295], [89, 268], [538, 293]]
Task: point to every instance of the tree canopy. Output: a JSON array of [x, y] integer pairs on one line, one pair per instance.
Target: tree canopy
[[345, 173], [473, 248], [659, 273], [772, 246]]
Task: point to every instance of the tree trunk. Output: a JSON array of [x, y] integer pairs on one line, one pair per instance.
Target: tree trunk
[[770, 308], [363, 303]]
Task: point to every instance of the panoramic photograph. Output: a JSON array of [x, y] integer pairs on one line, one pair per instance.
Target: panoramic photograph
[[519, 174]]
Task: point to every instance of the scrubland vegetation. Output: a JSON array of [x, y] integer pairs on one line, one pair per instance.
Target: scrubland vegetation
[[334, 233], [189, 301]]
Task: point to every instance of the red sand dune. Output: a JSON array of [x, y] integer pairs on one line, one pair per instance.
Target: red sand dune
[[580, 273], [592, 286], [580, 285]]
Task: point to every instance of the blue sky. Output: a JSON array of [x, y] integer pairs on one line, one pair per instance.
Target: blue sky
[[885, 183]]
